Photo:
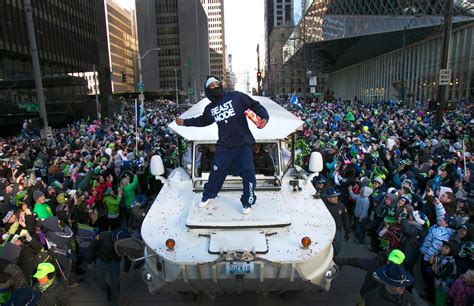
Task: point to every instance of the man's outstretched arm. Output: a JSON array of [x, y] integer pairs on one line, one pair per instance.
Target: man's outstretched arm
[[203, 120]]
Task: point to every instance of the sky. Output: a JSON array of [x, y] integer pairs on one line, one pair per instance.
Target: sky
[[244, 29]]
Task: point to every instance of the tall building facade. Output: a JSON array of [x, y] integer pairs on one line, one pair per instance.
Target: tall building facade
[[67, 44], [215, 16], [361, 49], [279, 80], [179, 29], [122, 47], [231, 79]]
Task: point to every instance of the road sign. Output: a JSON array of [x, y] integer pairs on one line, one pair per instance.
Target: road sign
[[46, 133], [444, 76], [313, 90], [49, 132], [29, 107], [313, 81], [141, 86]]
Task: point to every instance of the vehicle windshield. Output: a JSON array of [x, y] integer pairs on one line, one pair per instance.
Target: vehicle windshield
[[266, 163]]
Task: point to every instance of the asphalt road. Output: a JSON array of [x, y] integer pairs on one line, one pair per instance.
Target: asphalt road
[[344, 291]]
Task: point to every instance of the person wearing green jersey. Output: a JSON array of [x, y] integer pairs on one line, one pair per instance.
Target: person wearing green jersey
[[112, 202], [129, 190], [42, 210]]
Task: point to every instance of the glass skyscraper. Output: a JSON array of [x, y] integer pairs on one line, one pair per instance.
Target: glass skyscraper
[[356, 46]]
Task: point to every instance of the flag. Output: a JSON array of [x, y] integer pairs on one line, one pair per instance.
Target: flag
[[294, 100], [140, 113]]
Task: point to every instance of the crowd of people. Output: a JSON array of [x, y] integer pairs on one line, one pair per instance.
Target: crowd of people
[[400, 182], [391, 176], [66, 200]]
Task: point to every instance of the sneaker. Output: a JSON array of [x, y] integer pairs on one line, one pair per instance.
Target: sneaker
[[246, 210], [203, 204]]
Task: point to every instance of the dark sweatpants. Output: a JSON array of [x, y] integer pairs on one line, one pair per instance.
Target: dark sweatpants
[[236, 161]]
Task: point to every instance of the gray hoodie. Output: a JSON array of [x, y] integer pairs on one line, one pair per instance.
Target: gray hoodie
[[362, 205]]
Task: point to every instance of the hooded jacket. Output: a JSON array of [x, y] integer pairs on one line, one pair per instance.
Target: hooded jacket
[[414, 235], [434, 240], [59, 238], [231, 121], [362, 204]]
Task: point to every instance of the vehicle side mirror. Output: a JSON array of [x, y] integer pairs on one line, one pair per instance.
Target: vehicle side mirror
[[315, 162], [156, 166], [130, 247]]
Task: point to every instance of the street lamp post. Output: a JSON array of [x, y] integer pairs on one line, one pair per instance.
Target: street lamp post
[[35, 61], [97, 103], [141, 86], [176, 87], [442, 92], [195, 89]]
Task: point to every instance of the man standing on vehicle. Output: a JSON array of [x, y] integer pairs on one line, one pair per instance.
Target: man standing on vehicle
[[234, 146]]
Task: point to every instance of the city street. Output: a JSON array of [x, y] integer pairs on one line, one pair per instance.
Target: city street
[[342, 119], [345, 291]]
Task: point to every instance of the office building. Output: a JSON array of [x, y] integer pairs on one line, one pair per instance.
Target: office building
[[122, 47], [215, 17], [179, 29], [370, 49], [280, 80], [67, 43], [231, 78]]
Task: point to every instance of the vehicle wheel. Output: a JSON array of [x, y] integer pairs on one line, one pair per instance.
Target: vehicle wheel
[[189, 297], [288, 295]]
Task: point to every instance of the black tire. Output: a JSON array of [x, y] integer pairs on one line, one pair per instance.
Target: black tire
[[189, 297], [288, 296]]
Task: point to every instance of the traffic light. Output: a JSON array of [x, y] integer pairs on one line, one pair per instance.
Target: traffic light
[[124, 77], [259, 76]]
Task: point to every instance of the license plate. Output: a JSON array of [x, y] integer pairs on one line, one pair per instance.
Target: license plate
[[239, 267]]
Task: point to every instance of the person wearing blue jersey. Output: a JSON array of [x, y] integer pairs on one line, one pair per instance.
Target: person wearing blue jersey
[[234, 147]]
